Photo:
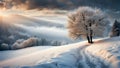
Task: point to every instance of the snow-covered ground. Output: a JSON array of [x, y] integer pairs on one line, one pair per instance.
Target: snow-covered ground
[[104, 53]]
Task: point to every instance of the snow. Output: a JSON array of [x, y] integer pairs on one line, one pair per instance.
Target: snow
[[4, 55], [104, 53], [107, 51]]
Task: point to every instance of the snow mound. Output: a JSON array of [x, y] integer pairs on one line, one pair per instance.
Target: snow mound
[[104, 53]]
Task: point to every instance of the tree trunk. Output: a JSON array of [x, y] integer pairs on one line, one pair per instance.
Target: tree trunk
[[118, 32], [91, 33], [91, 39], [88, 39]]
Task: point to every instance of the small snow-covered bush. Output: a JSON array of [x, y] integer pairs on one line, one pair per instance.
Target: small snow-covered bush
[[64, 43], [4, 46], [25, 43], [57, 43], [54, 43]]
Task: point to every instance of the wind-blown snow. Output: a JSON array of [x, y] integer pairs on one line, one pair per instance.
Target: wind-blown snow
[[48, 27], [104, 53], [54, 19], [47, 32]]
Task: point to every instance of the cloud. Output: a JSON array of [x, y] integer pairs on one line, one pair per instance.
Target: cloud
[[47, 31], [62, 4], [29, 4]]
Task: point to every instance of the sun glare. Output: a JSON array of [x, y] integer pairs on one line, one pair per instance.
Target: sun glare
[[3, 14]]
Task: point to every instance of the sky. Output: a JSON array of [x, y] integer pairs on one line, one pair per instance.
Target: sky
[[38, 7], [58, 4]]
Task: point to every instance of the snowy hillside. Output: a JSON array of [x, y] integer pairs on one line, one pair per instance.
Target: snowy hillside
[[48, 30], [104, 53]]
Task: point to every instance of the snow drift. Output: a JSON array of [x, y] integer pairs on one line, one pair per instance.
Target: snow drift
[[104, 53]]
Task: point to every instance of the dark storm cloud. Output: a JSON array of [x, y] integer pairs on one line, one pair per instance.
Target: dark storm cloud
[[61, 4]]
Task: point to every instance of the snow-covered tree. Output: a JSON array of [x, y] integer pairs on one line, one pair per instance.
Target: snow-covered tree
[[115, 29], [87, 22]]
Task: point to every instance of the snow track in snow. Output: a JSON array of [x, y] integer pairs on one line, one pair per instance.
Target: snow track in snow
[[91, 61], [87, 60], [83, 61]]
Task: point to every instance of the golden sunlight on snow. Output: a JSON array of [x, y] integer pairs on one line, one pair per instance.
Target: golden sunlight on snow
[[3, 14]]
